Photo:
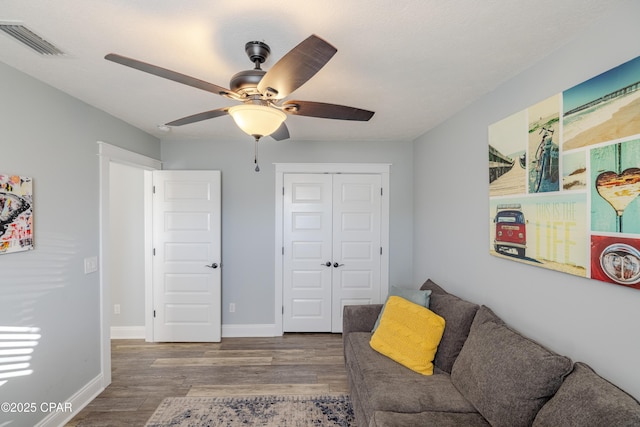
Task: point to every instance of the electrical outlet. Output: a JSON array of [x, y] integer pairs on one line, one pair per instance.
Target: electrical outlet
[[116, 308], [232, 307]]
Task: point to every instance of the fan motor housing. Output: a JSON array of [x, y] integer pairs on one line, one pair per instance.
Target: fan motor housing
[[246, 81]]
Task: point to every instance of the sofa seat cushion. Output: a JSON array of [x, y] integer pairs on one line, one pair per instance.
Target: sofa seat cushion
[[585, 399], [507, 376], [430, 418], [384, 385]]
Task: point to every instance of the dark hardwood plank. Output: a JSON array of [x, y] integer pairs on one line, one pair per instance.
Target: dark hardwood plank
[[143, 374]]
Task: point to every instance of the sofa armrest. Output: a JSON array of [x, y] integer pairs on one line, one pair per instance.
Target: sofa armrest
[[359, 318]]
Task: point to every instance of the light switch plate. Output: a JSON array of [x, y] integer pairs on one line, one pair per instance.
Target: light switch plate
[[90, 264]]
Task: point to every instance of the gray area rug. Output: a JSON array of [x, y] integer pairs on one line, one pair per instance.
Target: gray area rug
[[281, 411]]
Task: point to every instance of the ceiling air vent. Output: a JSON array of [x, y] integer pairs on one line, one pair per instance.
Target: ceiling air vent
[[30, 39]]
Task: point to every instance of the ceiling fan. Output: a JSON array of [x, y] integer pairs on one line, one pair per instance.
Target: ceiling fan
[[263, 109]]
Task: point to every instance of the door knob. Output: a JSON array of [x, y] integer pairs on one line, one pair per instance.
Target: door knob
[[327, 264], [336, 265], [213, 265]]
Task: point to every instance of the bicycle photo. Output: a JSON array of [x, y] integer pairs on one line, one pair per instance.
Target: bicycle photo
[[544, 167]]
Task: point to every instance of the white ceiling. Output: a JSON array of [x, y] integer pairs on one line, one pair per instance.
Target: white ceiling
[[414, 62]]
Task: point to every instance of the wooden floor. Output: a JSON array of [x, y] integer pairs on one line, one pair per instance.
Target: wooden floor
[[145, 373]]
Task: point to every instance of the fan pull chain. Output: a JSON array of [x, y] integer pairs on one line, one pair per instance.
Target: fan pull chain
[[255, 156]]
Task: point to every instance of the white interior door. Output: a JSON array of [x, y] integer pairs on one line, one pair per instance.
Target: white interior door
[[356, 242], [331, 248], [307, 250], [186, 262]]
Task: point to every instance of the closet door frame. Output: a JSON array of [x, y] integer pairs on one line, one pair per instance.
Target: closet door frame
[[383, 169]]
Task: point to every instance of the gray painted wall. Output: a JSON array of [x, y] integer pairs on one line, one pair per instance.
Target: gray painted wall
[[51, 137], [248, 209], [126, 203], [584, 319]]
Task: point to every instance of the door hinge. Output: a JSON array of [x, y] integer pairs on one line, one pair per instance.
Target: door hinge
[[380, 250], [154, 313], [153, 190], [283, 309], [381, 191], [154, 251], [283, 250], [283, 191]]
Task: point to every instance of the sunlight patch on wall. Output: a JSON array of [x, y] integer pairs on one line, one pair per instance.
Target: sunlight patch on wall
[[17, 344]]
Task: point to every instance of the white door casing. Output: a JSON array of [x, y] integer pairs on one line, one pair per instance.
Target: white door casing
[[332, 250], [187, 258]]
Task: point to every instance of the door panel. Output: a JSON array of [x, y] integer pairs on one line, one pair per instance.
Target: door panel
[[356, 242], [307, 248], [186, 290]]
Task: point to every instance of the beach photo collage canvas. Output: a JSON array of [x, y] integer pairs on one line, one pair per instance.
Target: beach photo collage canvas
[[564, 180]]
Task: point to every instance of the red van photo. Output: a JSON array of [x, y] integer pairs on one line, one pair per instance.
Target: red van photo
[[511, 231]]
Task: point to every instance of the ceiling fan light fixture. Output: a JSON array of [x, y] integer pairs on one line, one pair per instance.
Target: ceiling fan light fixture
[[257, 120]]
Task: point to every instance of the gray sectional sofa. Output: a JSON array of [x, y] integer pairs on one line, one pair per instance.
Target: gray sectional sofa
[[485, 374]]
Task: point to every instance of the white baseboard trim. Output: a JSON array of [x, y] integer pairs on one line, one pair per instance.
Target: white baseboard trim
[[235, 331], [127, 332], [61, 414], [228, 331]]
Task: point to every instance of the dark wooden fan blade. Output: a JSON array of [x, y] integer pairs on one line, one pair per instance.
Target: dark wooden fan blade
[[326, 111], [296, 67], [199, 117], [281, 133], [168, 74]]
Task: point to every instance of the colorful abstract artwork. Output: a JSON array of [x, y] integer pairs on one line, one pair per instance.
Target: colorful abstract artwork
[[16, 213], [564, 180]]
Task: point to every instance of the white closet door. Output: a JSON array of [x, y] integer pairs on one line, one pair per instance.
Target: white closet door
[[307, 249], [356, 242], [331, 248]]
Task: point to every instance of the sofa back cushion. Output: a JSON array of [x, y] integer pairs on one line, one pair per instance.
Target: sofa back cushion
[[459, 315], [507, 376], [484, 315], [433, 287], [585, 399]]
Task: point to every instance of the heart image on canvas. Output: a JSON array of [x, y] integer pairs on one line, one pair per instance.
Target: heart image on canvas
[[619, 189]]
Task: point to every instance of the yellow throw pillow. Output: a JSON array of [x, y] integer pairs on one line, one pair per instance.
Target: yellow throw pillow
[[409, 334]]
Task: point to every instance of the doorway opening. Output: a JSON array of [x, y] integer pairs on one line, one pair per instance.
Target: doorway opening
[[109, 154]]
